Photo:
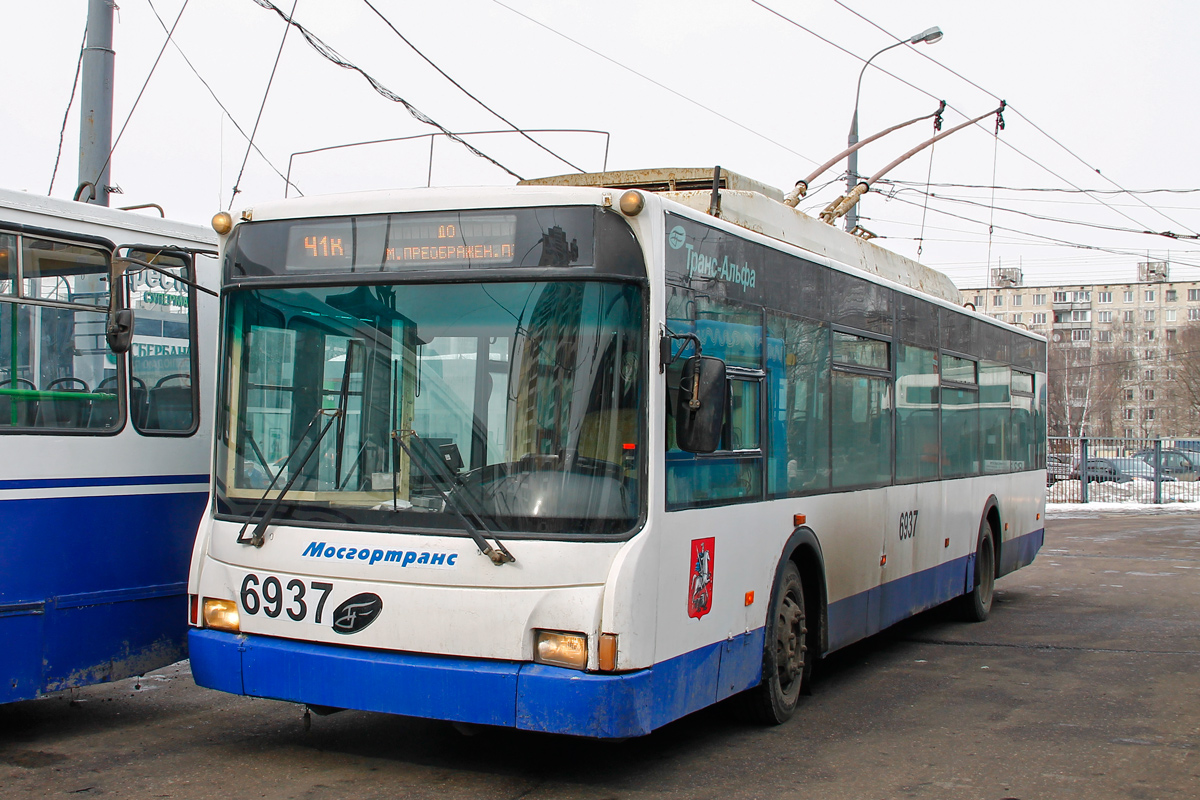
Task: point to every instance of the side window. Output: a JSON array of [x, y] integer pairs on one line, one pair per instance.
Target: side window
[[995, 417], [56, 372], [798, 403], [163, 395], [960, 417], [733, 474], [1023, 434], [918, 450], [862, 411], [742, 419]]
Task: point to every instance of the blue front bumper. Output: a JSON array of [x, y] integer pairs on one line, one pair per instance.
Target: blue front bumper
[[520, 695]]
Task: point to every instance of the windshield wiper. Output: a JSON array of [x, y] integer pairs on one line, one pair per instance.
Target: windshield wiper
[[257, 454], [498, 554], [258, 535]]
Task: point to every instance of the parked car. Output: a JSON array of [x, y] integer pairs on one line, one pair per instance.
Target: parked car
[[1098, 469], [1137, 468], [1058, 468], [1118, 470], [1183, 465]]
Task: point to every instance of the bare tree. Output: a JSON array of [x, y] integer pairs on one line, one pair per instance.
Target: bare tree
[[1184, 379], [1084, 391]]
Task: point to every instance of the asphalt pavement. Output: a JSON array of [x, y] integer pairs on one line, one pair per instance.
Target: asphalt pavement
[[1084, 683]]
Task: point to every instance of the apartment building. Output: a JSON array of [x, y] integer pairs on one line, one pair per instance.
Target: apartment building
[[1115, 348]]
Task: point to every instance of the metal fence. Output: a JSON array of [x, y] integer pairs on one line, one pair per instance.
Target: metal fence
[[1101, 470]]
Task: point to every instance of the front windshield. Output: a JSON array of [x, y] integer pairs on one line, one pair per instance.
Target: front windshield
[[519, 402]]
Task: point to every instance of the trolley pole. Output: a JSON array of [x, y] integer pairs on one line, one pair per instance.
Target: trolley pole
[[96, 103]]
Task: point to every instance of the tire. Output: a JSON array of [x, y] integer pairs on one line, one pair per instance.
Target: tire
[[976, 604], [786, 665]]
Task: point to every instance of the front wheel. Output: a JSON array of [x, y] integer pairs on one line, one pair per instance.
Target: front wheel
[[977, 604], [786, 665]]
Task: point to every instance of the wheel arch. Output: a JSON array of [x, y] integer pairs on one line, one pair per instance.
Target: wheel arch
[[804, 550]]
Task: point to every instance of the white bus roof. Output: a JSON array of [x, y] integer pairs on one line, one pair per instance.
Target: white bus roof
[[758, 207], [41, 211]]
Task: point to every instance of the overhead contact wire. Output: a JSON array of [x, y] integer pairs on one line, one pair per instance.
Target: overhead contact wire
[[1055, 240], [1046, 189], [67, 114], [217, 100], [1031, 123], [462, 89], [237, 184], [911, 85], [660, 85], [141, 92], [1029, 214], [337, 58]]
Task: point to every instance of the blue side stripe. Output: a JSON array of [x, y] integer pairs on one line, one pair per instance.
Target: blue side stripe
[[139, 480], [861, 615], [1020, 552]]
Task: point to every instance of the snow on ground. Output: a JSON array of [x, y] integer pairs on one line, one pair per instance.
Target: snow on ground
[[1135, 491], [1135, 497], [1085, 510]]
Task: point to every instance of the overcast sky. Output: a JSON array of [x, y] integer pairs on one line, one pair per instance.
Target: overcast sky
[[672, 83]]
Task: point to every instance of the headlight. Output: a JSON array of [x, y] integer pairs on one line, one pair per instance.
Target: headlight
[[560, 649], [221, 615]]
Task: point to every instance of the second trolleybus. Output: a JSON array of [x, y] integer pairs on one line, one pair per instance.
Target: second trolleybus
[[584, 459], [106, 453]]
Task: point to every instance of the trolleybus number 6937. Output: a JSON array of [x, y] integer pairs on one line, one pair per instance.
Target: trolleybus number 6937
[[273, 603]]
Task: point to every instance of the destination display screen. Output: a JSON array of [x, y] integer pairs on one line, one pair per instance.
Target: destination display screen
[[400, 241], [554, 237]]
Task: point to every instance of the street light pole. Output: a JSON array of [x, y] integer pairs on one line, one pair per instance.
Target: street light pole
[[928, 36]]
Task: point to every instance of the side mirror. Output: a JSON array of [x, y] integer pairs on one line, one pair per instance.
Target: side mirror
[[700, 412], [119, 330]]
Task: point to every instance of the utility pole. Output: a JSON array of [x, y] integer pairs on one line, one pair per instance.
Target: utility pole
[[96, 103]]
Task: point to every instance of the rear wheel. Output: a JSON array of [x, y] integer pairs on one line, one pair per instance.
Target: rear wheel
[[977, 604], [786, 665]]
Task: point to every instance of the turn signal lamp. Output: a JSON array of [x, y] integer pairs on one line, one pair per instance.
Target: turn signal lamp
[[222, 222], [560, 649], [221, 615], [608, 652], [632, 203]]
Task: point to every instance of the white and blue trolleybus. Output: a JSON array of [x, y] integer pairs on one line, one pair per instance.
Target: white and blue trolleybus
[[106, 451], [584, 459]]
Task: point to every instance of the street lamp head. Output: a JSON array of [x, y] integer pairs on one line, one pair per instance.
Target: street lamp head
[[929, 36]]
